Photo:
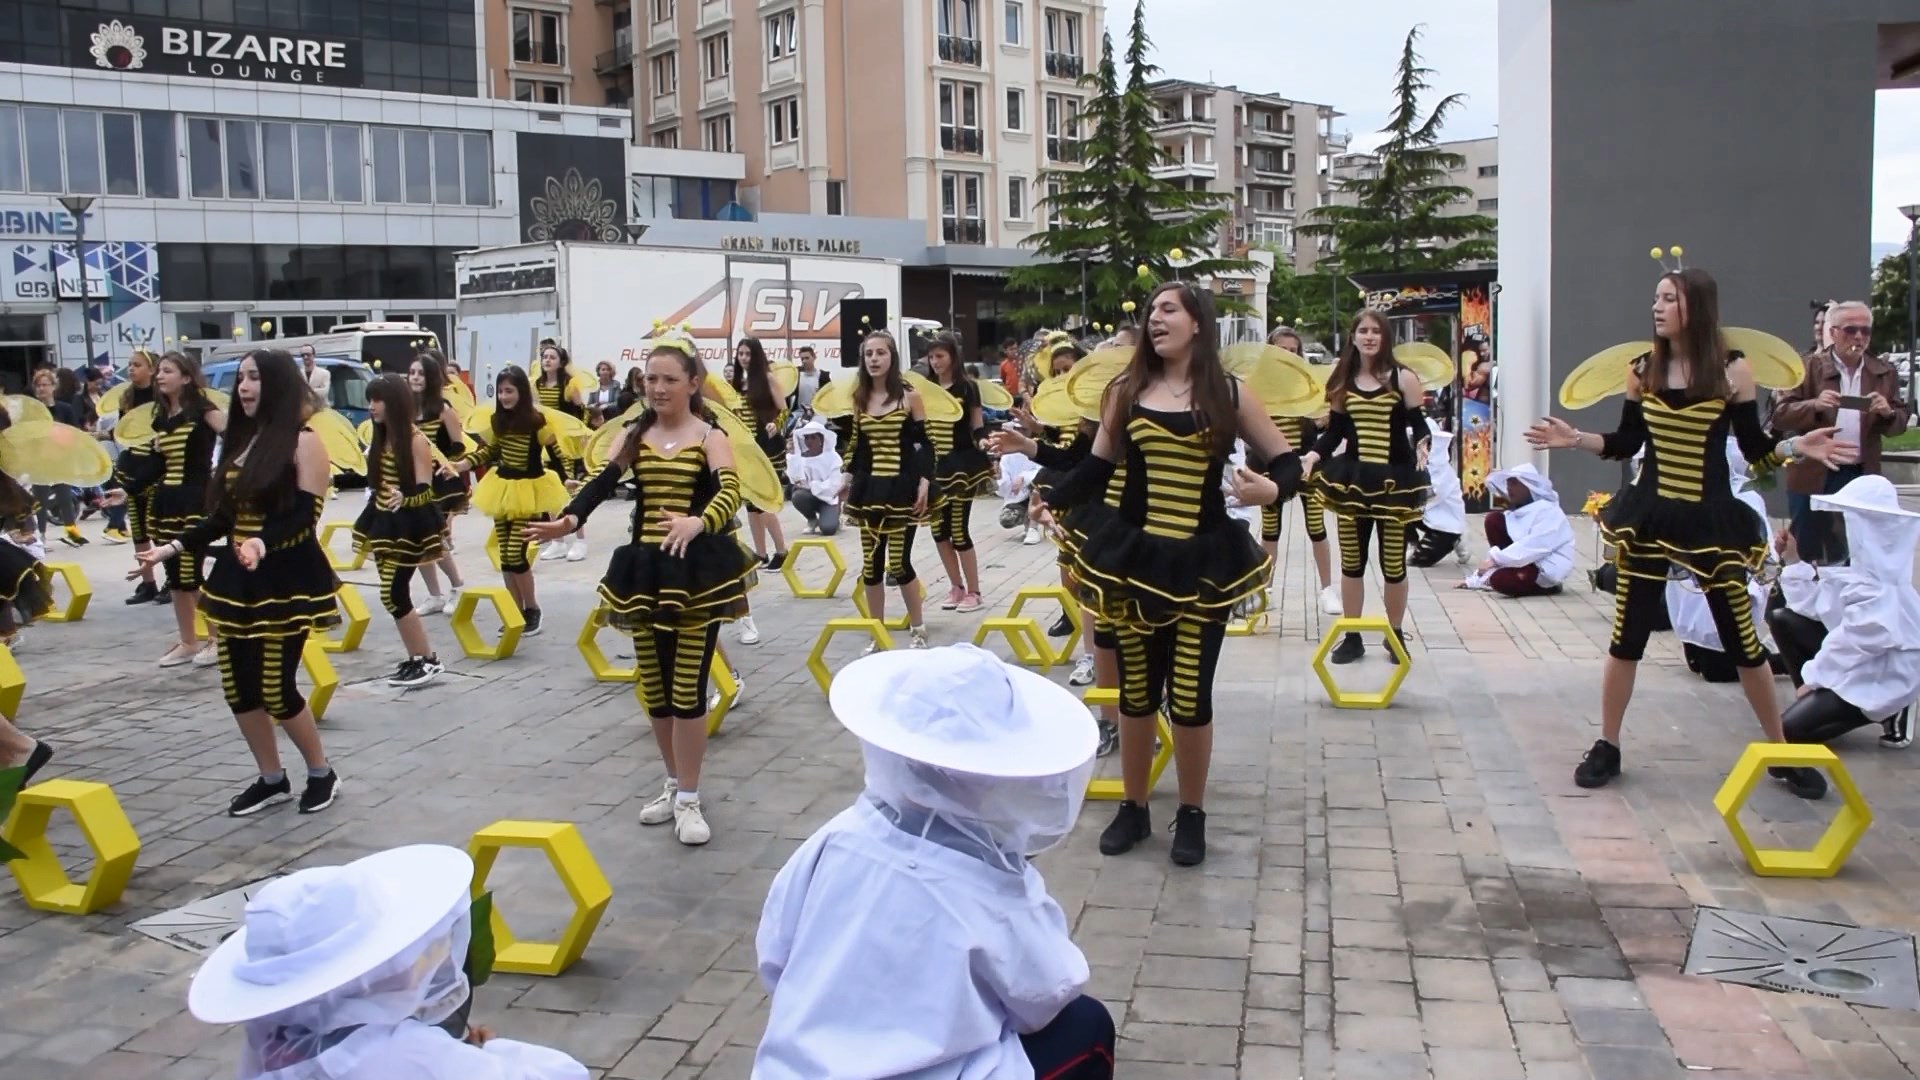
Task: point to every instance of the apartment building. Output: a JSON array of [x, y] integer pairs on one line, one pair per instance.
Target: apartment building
[[1264, 152], [1479, 174]]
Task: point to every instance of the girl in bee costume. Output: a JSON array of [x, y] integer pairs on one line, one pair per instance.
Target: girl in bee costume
[[1304, 431], [556, 392], [682, 573], [889, 483], [760, 407], [139, 391], [439, 421], [961, 473], [401, 526]]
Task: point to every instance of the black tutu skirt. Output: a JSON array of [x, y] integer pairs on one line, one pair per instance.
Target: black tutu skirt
[[1360, 489], [648, 589], [1717, 540], [290, 592], [965, 473], [1130, 577], [174, 510], [452, 494], [885, 503], [409, 536], [22, 586]]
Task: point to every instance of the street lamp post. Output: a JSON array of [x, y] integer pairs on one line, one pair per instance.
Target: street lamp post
[[77, 205]]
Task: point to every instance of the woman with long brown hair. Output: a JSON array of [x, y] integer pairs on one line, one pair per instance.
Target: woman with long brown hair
[[554, 390], [140, 370], [1683, 399], [401, 526], [1313, 510], [1156, 553], [518, 488], [1378, 483], [889, 483], [961, 473], [765, 414], [439, 421]]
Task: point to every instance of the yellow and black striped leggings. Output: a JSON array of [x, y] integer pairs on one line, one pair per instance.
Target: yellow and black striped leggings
[[1640, 599], [1355, 532], [1311, 507], [883, 553], [951, 525], [183, 570], [396, 588], [513, 546], [257, 673], [673, 670], [1172, 664]]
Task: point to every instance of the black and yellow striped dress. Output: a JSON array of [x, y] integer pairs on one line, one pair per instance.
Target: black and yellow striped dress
[[292, 589], [1377, 476], [889, 456], [22, 583], [184, 445], [1682, 510], [774, 445], [130, 464], [409, 535], [961, 469], [450, 493], [1312, 506], [518, 486]]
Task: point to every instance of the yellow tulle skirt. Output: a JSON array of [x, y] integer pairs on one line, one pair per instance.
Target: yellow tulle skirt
[[501, 498]]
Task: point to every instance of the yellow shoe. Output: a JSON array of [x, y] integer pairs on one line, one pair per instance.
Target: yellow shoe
[[116, 536]]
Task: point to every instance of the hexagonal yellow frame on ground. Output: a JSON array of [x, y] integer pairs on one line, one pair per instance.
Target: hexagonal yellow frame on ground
[[1068, 606], [472, 645], [898, 622], [354, 620], [43, 882], [1827, 855], [1024, 636], [79, 593], [1112, 789], [567, 850], [816, 660], [354, 561], [1348, 699], [1256, 621], [788, 569], [720, 675], [13, 684], [492, 548], [319, 669], [604, 669]]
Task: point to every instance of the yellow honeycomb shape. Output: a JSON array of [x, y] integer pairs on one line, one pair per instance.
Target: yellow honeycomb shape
[[1253, 622], [898, 622], [720, 676], [1112, 789], [1069, 607], [492, 548], [79, 593], [43, 882], [816, 660], [1349, 699], [1831, 850], [790, 568], [472, 645], [604, 669], [354, 620], [13, 684], [567, 851], [319, 669], [1028, 641], [354, 561]]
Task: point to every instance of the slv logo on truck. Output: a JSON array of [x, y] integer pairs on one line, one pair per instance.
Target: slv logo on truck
[[768, 306]]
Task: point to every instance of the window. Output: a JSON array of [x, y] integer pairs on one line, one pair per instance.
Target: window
[[122, 141], [1016, 109], [666, 74], [1489, 171], [276, 160], [1063, 114], [961, 217], [783, 121], [540, 91], [446, 168], [1053, 204], [310, 144], [12, 166], [416, 158], [960, 118], [159, 155], [686, 197], [51, 151], [782, 35], [203, 157], [1489, 204], [662, 11], [1016, 31], [82, 129], [539, 37], [716, 56], [478, 157], [347, 163], [716, 133], [243, 170], [836, 197], [959, 18], [1063, 32], [426, 167], [667, 138], [1016, 198]]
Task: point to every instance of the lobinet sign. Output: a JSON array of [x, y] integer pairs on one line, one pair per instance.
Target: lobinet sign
[[174, 47]]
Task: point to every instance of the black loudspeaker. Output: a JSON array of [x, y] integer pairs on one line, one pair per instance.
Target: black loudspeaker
[[852, 329]]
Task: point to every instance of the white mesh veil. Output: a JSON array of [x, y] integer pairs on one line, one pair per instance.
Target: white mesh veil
[[998, 820]]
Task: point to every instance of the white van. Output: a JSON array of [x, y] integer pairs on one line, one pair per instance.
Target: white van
[[382, 346]]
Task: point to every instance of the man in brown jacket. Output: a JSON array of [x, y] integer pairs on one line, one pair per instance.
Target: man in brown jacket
[[1848, 388]]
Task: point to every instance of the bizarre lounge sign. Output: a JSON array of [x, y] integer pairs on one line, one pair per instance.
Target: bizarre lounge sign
[[173, 47]]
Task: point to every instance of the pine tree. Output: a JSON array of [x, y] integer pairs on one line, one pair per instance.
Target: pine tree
[[1113, 213], [1888, 299], [1396, 221]]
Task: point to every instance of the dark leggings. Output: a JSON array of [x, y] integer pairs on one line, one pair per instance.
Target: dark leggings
[[1797, 637], [1430, 546], [1817, 716], [673, 670], [258, 674], [513, 546], [883, 553], [1077, 1045], [1640, 604], [1354, 534], [396, 589], [950, 525], [1173, 664]]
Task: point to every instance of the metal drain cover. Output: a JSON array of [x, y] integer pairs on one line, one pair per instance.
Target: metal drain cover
[[1773, 952], [204, 924]]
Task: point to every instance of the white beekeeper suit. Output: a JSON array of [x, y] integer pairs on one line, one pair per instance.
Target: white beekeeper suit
[[1538, 532], [1446, 504], [1687, 605], [344, 973]]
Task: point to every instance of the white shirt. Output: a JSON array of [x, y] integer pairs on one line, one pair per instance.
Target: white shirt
[[1871, 655], [1542, 537], [1236, 509], [415, 1051], [1849, 419], [819, 474], [889, 956], [807, 386], [1446, 504], [321, 380], [1016, 472]]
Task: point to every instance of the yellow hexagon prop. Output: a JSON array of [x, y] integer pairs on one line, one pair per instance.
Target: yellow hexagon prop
[[472, 645], [492, 548], [320, 672], [1111, 789], [1826, 856], [604, 669], [79, 593], [790, 568], [1350, 699], [43, 882], [898, 622], [720, 675], [1024, 636], [354, 620], [816, 660], [1256, 621], [354, 561], [1068, 606], [585, 884], [13, 684]]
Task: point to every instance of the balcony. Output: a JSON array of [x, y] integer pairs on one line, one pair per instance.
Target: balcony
[[962, 140], [784, 70], [1173, 170], [1178, 123], [1267, 172], [666, 106], [715, 13], [1261, 133], [1068, 150], [662, 34], [1065, 66], [615, 60], [716, 91], [959, 50], [963, 232]]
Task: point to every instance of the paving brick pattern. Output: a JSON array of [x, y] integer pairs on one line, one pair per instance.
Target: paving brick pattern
[[1412, 893]]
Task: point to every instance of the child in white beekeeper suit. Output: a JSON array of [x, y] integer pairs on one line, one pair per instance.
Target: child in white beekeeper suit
[[1530, 545], [1687, 606], [346, 973], [910, 936], [1445, 518]]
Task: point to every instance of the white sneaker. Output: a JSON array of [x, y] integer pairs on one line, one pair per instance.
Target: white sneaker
[[452, 598], [739, 691], [659, 810], [689, 824], [1460, 553], [1032, 537], [178, 655], [749, 633], [1330, 603], [555, 551], [577, 551], [432, 605], [919, 637], [1082, 671], [208, 655]]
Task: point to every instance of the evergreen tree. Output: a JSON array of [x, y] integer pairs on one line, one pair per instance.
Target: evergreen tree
[[1112, 216], [1888, 299], [1396, 222]]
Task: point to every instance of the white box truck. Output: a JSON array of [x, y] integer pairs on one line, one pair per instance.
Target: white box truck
[[600, 301]]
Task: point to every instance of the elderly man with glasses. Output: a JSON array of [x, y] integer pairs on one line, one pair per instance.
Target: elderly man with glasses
[[1846, 387]]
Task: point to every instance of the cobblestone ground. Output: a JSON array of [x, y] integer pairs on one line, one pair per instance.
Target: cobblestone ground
[[1414, 892]]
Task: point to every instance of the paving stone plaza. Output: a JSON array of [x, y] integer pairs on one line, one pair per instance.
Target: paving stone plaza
[[1412, 892]]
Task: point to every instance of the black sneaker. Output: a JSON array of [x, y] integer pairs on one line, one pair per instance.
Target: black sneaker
[[776, 560], [1599, 767], [144, 593], [36, 760], [1189, 828], [1109, 739], [404, 673], [163, 595], [319, 794], [416, 671], [258, 796], [532, 616], [1130, 826], [1896, 731], [1061, 627], [1802, 781], [1404, 647], [1351, 648]]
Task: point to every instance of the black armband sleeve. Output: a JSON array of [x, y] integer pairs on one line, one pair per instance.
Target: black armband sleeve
[[204, 532], [919, 456], [593, 493], [1756, 445], [1063, 458], [1623, 442], [1339, 429], [1087, 481]]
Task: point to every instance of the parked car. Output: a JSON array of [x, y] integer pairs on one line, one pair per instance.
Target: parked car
[[350, 379]]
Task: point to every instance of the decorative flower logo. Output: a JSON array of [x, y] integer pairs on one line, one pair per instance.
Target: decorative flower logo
[[117, 47], [573, 209]]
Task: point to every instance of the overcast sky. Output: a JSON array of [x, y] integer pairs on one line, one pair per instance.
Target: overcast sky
[[1343, 55]]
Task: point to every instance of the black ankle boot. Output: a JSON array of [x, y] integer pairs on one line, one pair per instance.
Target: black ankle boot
[[1351, 648], [1130, 826]]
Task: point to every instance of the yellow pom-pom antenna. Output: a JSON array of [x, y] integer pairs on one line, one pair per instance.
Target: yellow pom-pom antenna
[[1176, 254], [266, 326], [865, 319], [1129, 307], [376, 364], [1676, 251], [1656, 254], [1143, 271], [239, 332], [686, 328]]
